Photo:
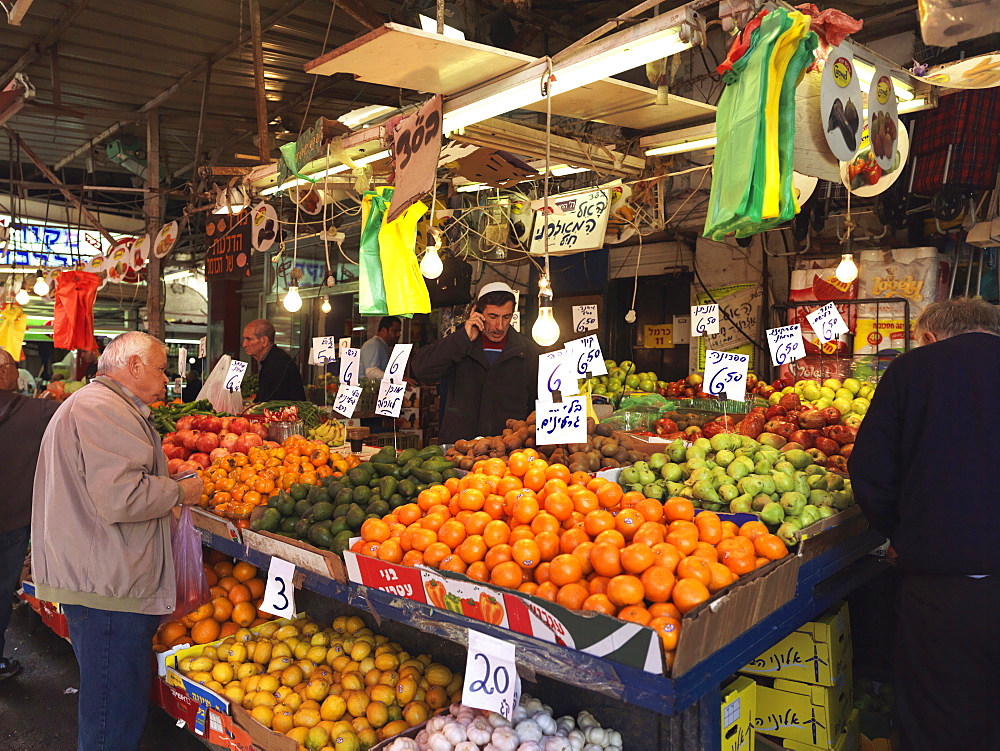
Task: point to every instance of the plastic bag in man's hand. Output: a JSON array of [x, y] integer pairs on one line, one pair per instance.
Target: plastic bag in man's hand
[[189, 570]]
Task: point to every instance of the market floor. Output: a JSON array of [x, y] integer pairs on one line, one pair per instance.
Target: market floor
[[35, 710]]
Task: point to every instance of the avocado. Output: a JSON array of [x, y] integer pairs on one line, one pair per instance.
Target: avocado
[[338, 525], [327, 481], [302, 527], [354, 517], [427, 476], [317, 494], [286, 507], [437, 465], [361, 494], [299, 490], [385, 470], [405, 456], [449, 473], [430, 451], [332, 489], [323, 511], [387, 486], [302, 508], [269, 522], [344, 496], [359, 475], [341, 541], [341, 510], [319, 535], [288, 524], [396, 500], [379, 508], [275, 499], [407, 488]]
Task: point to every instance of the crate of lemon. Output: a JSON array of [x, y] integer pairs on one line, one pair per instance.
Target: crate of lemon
[[341, 686]]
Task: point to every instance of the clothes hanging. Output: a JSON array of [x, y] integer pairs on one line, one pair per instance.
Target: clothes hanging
[[13, 324], [405, 289], [73, 322]]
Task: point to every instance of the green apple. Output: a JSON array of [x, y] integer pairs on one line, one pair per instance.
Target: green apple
[[843, 393], [832, 383], [628, 366], [853, 420], [662, 384], [860, 406], [609, 364], [614, 384], [866, 391], [599, 388], [822, 403], [632, 381], [828, 393], [843, 405], [811, 391], [852, 384], [787, 390], [647, 385], [616, 373], [775, 397]]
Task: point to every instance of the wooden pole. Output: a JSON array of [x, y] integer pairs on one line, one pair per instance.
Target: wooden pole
[[263, 137], [153, 207]]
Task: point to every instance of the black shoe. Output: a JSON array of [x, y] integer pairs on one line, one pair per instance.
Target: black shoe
[[8, 668]]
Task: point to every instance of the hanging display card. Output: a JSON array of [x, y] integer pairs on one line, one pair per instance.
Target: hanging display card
[[565, 422], [785, 344], [726, 372]]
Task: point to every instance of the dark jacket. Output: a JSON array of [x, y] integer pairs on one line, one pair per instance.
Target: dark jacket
[[22, 423], [279, 378], [924, 466], [481, 397]]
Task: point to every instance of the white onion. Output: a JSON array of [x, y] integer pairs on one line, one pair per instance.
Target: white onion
[[557, 743], [505, 739], [479, 731], [467, 746], [577, 739]]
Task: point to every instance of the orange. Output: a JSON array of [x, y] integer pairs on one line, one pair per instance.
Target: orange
[[497, 467], [541, 572], [651, 533], [606, 559], [239, 593], [668, 629], [452, 533], [582, 553], [435, 553], [521, 532], [637, 557], [433, 521], [517, 463], [625, 589], [753, 529], [548, 545], [547, 591], [553, 486], [496, 533], [508, 483], [244, 571], [453, 563], [694, 567], [171, 631], [729, 529], [244, 614], [630, 499], [569, 539], [525, 509], [408, 513], [565, 568], [507, 574], [658, 583], [534, 478], [472, 549], [598, 521], [497, 555], [609, 495], [559, 505], [612, 536], [205, 631], [737, 545], [739, 563], [210, 576], [598, 585], [599, 604], [689, 593], [200, 613], [667, 609], [721, 577], [572, 595], [529, 588], [375, 530], [685, 539], [545, 522], [558, 472], [579, 478], [678, 508], [222, 609], [478, 571], [223, 568], [390, 551], [412, 558], [770, 546], [256, 587], [422, 538], [628, 522], [494, 507], [584, 501], [526, 553], [651, 509], [471, 499], [476, 522], [706, 551], [636, 614]]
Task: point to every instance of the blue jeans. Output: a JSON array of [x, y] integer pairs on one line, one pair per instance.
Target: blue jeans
[[115, 654], [13, 548]]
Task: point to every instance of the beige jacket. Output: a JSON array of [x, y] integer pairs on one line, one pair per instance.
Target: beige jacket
[[100, 524]]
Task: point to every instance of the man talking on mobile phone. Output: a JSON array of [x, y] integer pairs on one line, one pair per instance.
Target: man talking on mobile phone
[[491, 370]]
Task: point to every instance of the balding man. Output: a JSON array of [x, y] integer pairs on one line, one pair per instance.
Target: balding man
[[280, 378], [103, 504], [22, 423]]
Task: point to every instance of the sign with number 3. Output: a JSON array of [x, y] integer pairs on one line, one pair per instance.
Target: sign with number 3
[[279, 594]]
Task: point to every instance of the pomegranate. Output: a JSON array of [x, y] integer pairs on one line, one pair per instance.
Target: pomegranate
[[218, 453], [207, 442], [239, 425], [174, 465], [191, 440], [229, 441], [211, 424], [259, 428], [200, 459], [186, 422]]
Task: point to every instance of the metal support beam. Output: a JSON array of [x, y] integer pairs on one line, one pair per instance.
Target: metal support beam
[[361, 13], [199, 138], [52, 178], [260, 89], [153, 209], [35, 51], [56, 82]]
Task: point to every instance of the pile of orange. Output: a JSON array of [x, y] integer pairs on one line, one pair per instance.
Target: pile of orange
[[236, 484], [237, 593], [573, 539]]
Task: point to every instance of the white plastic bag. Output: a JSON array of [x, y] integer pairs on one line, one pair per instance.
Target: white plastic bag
[[215, 389]]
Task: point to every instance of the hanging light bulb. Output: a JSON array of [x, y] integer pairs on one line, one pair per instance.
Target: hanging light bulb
[[430, 265], [292, 301], [326, 307], [21, 298], [41, 287], [545, 330], [847, 270]]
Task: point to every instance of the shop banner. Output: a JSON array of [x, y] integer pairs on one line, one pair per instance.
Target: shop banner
[[416, 147], [580, 227], [166, 238], [229, 245], [739, 303]]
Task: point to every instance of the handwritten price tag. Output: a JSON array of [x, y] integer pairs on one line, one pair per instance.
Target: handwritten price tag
[[704, 320], [827, 323], [397, 363], [279, 594], [343, 344], [347, 400], [234, 377], [390, 399], [325, 348], [182, 360], [350, 361], [491, 679], [785, 344], [585, 356], [584, 318], [561, 423], [555, 373], [726, 372]]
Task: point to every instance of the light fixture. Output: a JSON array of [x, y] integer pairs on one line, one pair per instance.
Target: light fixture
[[335, 170], [866, 72], [358, 117], [562, 170], [292, 301], [430, 265], [41, 287], [176, 276], [680, 141], [914, 105], [326, 307], [651, 40], [232, 200], [472, 187], [22, 298], [545, 330], [847, 270]]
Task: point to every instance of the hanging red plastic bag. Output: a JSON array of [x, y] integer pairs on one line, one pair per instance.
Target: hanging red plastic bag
[[189, 570]]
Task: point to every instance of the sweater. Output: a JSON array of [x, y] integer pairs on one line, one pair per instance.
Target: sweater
[[22, 423], [923, 466], [279, 378]]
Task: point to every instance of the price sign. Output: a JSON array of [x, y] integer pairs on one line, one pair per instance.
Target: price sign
[[785, 344], [726, 372], [658, 337], [350, 361], [182, 360], [344, 343], [827, 323], [390, 399], [704, 320], [584, 318], [325, 348], [585, 356], [234, 377], [397, 363], [515, 321], [565, 422], [202, 344], [555, 373], [279, 594], [416, 145], [491, 679], [347, 400]]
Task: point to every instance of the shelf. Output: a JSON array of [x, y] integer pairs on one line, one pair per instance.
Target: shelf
[[822, 581]]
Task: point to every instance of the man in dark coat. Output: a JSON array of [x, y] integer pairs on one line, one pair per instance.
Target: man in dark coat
[[280, 378], [490, 369], [22, 423], [924, 472]]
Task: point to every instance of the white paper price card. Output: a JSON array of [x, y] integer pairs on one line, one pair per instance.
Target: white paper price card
[[325, 348], [584, 318], [555, 373], [390, 398], [827, 323], [182, 360], [585, 356], [397, 363], [565, 422], [350, 361], [344, 343], [234, 377], [785, 344], [704, 320], [347, 400], [491, 679], [279, 594], [726, 372]]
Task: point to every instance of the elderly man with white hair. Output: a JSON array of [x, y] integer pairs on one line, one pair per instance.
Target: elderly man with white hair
[[101, 529]]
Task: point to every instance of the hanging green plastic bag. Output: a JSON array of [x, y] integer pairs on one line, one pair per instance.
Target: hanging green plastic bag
[[371, 287], [405, 289]]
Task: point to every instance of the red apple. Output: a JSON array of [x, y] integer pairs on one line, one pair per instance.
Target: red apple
[[259, 428], [837, 463], [775, 411], [847, 450], [801, 436], [239, 425], [229, 441], [843, 434], [207, 442], [818, 456], [779, 427], [827, 446], [790, 401], [191, 440], [812, 418], [185, 423], [218, 453], [832, 415], [173, 465]]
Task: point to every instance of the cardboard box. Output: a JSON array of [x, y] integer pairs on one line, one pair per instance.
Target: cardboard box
[[817, 652], [302, 554], [209, 724], [849, 740], [51, 613], [739, 705], [216, 525], [886, 335], [410, 419], [644, 443], [816, 716], [262, 737]]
